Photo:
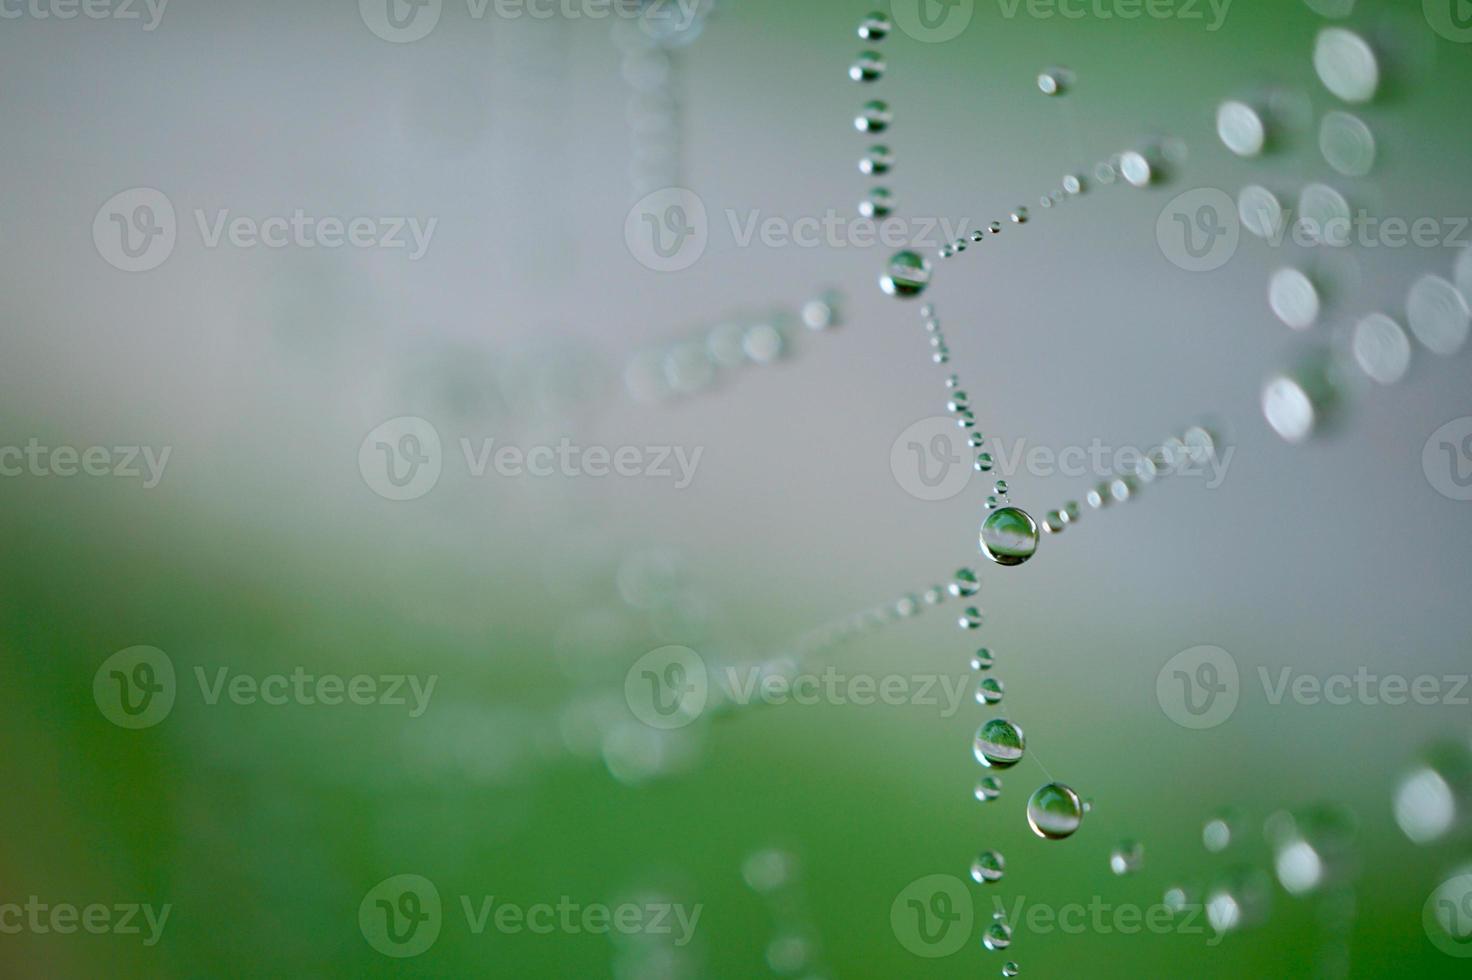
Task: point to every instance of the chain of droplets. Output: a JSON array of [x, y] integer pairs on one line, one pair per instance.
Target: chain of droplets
[[1301, 399], [687, 367], [794, 948], [1192, 449]]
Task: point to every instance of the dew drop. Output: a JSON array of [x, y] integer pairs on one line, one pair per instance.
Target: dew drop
[[988, 788], [1010, 969], [1136, 169], [1260, 211], [1240, 128], [965, 583], [999, 744], [874, 27], [1438, 315], [1347, 144], [1054, 811], [988, 868], [1346, 65], [989, 690], [982, 659], [907, 275], [875, 117], [867, 67], [878, 204], [1009, 536], [971, 619], [1127, 858], [998, 936], [1381, 348], [1294, 298], [876, 161]]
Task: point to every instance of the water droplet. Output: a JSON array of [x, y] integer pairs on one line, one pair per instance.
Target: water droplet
[[1010, 969], [1055, 81], [907, 606], [988, 788], [1073, 184], [998, 936], [1438, 315], [877, 160], [989, 690], [1000, 487], [763, 343], [823, 312], [1217, 834], [1435, 797], [877, 205], [1381, 348], [1261, 211], [1019, 217], [1347, 144], [1297, 403], [1346, 65], [1294, 298], [1239, 899], [984, 462], [1323, 215], [907, 275], [875, 117], [1136, 169], [1053, 523], [988, 868], [1311, 847], [867, 67], [1054, 811], [874, 27], [978, 235], [999, 744], [1240, 128], [1009, 536], [995, 227], [971, 619], [965, 583], [1127, 858], [768, 870], [982, 659]]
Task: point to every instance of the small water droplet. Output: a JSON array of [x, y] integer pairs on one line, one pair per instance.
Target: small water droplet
[[965, 583], [1127, 858], [875, 117], [906, 276], [988, 788], [875, 27], [988, 868], [999, 744], [989, 690], [971, 619], [867, 67]]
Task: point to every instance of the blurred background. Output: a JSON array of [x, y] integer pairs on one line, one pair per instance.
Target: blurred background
[[256, 453]]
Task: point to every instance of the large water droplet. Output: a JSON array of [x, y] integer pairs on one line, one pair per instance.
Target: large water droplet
[[999, 744], [1054, 811], [1009, 536], [907, 275]]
